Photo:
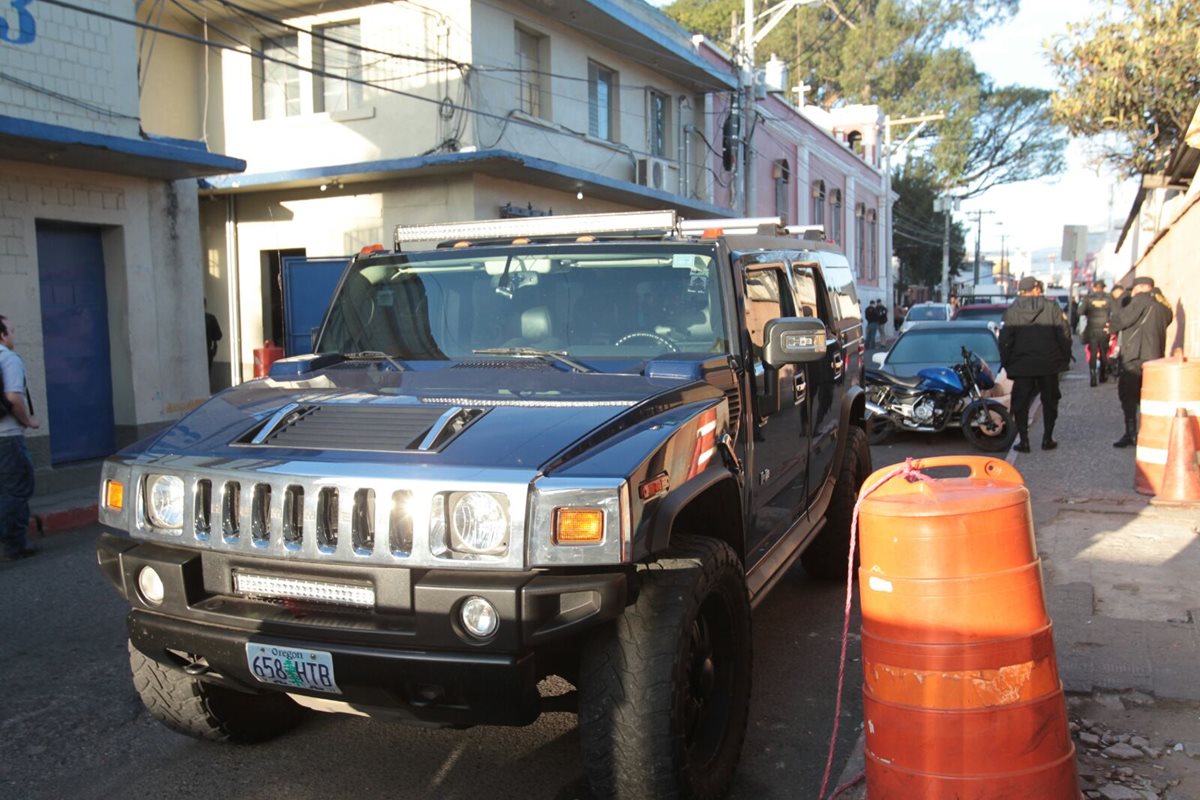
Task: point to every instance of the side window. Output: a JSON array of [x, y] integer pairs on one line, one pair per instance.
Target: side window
[[766, 299], [810, 295], [843, 296]]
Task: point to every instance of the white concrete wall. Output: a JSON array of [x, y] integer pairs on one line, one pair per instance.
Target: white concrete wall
[[78, 70], [150, 239]]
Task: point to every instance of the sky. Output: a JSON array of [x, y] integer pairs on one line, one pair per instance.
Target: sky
[[1033, 213], [1030, 215]]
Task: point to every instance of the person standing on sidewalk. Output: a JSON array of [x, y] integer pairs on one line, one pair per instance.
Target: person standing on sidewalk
[[16, 467], [1035, 346], [1096, 308], [1142, 326], [872, 317]]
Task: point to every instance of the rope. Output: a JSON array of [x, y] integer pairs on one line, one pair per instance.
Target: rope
[[910, 470]]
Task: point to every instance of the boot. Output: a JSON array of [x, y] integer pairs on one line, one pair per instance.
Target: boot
[[1022, 445], [1048, 442], [1093, 371], [1130, 437]]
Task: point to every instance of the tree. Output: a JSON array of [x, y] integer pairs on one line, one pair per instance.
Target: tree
[[1131, 79], [895, 53], [919, 229]]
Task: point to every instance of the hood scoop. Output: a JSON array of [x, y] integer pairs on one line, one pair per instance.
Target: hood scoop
[[363, 427]]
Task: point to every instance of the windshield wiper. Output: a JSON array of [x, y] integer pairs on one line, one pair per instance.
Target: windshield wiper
[[374, 355], [533, 352]]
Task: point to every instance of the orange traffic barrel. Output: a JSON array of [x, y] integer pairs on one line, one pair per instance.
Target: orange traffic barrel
[[1168, 384], [961, 693]]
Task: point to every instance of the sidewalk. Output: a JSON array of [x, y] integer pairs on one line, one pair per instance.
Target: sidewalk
[[1122, 581]]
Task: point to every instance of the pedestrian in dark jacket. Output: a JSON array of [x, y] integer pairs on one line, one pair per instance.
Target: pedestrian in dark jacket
[[1035, 346], [1142, 326], [1096, 308]]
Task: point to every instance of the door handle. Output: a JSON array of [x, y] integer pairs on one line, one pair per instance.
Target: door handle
[[800, 383], [837, 361]]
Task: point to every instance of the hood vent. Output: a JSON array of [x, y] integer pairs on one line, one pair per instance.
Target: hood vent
[[495, 363], [364, 427]]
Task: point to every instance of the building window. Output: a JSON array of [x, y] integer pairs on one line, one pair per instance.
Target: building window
[[602, 102], [658, 113], [781, 171], [529, 64], [340, 57], [277, 86], [872, 244], [860, 239], [818, 203], [835, 215]]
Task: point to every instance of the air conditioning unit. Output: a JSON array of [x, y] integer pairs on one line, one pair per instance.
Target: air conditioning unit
[[654, 173]]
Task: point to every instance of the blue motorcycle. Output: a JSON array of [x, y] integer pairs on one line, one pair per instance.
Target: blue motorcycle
[[939, 398]]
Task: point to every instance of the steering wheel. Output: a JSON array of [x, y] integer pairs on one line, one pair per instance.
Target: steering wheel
[[648, 335]]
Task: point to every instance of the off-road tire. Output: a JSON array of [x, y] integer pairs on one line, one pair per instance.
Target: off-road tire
[[644, 675], [204, 711], [827, 557]]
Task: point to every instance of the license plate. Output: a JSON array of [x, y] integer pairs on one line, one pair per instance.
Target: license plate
[[292, 667]]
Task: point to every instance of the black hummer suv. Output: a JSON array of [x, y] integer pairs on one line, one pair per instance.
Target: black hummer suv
[[579, 446]]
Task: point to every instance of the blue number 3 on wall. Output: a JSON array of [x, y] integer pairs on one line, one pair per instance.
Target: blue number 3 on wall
[[26, 24]]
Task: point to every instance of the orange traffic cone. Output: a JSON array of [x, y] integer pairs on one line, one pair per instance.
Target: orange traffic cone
[[961, 693], [1181, 475]]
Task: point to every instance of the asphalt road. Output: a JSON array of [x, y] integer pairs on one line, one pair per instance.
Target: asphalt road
[[72, 726]]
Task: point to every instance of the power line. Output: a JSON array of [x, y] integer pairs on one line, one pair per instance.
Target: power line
[[33, 87]]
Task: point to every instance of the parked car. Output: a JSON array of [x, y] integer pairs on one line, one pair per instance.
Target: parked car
[[927, 312], [581, 446], [939, 344], [985, 312]]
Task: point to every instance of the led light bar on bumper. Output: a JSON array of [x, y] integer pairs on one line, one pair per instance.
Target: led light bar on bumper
[[271, 587]]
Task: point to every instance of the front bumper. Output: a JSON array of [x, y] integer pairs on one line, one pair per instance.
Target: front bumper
[[407, 656]]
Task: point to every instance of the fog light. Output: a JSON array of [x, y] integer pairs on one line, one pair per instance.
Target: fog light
[[479, 617], [151, 586]]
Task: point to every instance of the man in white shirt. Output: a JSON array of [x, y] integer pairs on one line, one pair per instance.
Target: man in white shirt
[[16, 466]]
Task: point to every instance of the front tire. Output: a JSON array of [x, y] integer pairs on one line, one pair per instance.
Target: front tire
[[665, 690], [828, 557], [204, 711], [988, 426]]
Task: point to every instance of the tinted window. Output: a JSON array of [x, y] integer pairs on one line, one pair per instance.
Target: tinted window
[[943, 347], [840, 282], [982, 314]]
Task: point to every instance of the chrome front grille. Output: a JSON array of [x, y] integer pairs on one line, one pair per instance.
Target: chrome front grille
[[326, 519]]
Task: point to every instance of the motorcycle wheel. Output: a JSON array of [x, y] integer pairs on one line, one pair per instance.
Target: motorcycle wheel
[[988, 426], [879, 429]]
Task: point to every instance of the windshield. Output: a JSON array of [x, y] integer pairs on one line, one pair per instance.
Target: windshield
[[943, 346], [584, 300], [981, 314], [923, 313]]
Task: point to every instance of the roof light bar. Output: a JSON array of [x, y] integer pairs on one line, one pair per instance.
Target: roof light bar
[[653, 222], [743, 225], [810, 232]]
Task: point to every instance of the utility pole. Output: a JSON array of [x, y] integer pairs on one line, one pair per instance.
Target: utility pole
[[747, 83], [978, 234], [947, 204], [889, 289]]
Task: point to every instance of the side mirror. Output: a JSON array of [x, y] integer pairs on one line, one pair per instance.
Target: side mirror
[[877, 359], [793, 340]]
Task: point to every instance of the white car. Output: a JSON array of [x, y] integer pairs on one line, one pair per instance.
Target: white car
[[927, 312]]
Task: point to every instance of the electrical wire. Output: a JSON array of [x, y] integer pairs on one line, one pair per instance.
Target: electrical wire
[[33, 87]]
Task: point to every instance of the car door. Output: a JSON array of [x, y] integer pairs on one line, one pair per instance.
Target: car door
[[778, 446], [841, 368]]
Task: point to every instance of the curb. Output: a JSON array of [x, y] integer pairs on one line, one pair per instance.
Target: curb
[[64, 520]]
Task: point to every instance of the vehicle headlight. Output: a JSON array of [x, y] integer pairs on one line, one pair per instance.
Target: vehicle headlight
[[478, 523], [164, 501]]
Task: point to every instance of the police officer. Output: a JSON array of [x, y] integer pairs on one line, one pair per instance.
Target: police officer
[[1096, 307], [1142, 326], [1035, 346]]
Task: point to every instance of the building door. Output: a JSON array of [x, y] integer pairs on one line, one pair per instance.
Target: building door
[[308, 286], [75, 342]]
